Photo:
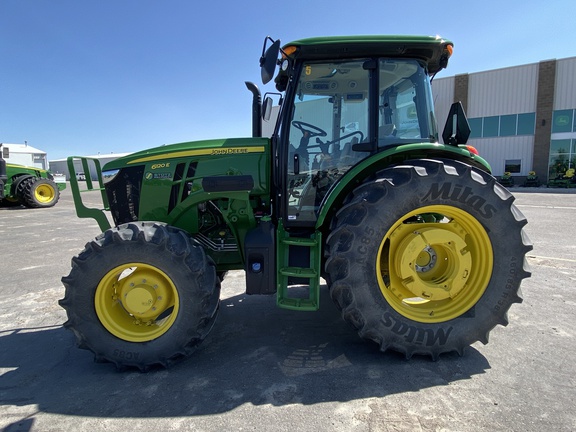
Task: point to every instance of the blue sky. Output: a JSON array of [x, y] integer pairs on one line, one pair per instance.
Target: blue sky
[[78, 77]]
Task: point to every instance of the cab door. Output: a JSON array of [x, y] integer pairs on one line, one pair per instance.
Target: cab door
[[329, 116]]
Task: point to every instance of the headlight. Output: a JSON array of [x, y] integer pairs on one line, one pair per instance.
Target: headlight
[[108, 176]]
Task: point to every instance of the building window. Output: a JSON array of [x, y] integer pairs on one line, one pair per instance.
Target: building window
[[562, 157], [491, 126], [562, 121], [503, 126], [475, 127], [526, 123], [508, 125], [513, 166]]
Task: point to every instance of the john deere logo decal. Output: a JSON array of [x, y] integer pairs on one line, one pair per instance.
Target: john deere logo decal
[[562, 120], [220, 151]]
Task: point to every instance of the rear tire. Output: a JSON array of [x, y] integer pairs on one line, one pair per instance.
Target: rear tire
[[428, 258], [39, 192], [141, 294], [16, 197]]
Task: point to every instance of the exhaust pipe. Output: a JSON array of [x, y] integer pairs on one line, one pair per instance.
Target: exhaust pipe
[[256, 109]]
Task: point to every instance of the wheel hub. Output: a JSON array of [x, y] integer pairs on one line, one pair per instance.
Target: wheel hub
[[141, 296], [426, 260], [139, 300], [435, 263], [44, 193], [136, 302]]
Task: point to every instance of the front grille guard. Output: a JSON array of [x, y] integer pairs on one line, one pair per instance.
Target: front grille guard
[[91, 167]]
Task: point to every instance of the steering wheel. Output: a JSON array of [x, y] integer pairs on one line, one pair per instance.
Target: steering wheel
[[314, 131]]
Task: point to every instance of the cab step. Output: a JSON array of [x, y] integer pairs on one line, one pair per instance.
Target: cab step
[[305, 295]]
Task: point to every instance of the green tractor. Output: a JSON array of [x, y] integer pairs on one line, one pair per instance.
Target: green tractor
[[420, 247], [28, 186]]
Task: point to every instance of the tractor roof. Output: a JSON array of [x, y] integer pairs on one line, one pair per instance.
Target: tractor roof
[[433, 50]]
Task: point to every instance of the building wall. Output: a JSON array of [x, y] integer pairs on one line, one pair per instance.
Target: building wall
[[565, 92], [503, 91], [499, 151], [489, 99], [443, 96], [522, 116]]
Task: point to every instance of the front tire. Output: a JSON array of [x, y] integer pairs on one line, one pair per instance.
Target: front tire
[[141, 294], [427, 258]]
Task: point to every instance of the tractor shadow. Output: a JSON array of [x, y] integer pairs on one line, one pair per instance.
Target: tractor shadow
[[256, 354], [14, 208]]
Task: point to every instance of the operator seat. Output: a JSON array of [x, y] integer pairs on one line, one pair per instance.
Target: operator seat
[[348, 157]]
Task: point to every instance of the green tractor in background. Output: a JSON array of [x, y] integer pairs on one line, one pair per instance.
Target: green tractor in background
[[422, 250], [28, 186]]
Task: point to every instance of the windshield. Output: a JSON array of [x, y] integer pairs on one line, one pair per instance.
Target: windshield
[[331, 116]]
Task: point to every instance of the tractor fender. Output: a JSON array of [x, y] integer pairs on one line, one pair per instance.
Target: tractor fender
[[393, 156]]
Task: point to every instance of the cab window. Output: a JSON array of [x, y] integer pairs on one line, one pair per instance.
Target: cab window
[[330, 115]]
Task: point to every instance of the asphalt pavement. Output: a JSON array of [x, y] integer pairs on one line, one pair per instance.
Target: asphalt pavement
[[267, 369]]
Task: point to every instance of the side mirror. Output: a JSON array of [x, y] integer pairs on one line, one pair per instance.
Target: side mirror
[[269, 60], [457, 130], [267, 108]]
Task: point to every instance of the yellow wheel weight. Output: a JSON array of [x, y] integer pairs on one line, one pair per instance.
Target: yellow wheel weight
[[433, 272]]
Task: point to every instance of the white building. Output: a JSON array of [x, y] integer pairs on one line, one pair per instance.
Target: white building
[[523, 118], [60, 166], [24, 154]]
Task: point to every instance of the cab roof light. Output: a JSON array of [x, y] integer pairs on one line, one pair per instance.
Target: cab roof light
[[288, 51]]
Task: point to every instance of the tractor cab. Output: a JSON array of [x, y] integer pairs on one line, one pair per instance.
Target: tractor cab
[[340, 109]]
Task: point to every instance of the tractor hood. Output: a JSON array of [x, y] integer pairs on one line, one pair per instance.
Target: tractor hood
[[210, 148], [24, 168]]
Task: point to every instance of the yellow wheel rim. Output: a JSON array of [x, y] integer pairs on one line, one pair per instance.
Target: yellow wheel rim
[[434, 264], [44, 193], [136, 302]]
